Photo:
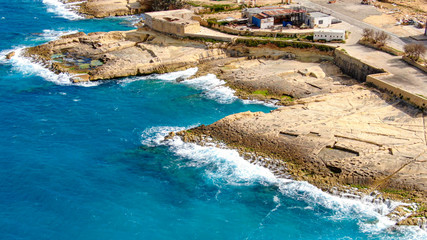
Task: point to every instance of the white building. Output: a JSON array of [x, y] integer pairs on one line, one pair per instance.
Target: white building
[[329, 34], [318, 19]]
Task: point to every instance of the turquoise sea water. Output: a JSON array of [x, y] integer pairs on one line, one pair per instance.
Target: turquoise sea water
[[86, 162]]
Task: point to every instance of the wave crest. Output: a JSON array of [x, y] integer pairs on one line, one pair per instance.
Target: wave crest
[[225, 166], [27, 66], [62, 9]]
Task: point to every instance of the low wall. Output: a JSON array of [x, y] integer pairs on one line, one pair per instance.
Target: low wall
[[415, 64], [353, 66], [385, 48], [206, 36], [376, 79], [254, 42], [257, 33]]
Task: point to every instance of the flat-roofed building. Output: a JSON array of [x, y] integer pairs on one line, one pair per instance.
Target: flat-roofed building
[[262, 20], [329, 34], [318, 19], [176, 22]]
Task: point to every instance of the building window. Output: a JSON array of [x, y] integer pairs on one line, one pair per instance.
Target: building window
[[320, 21]]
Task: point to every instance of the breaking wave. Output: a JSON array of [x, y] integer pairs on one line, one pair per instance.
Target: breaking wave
[[172, 76], [64, 10], [211, 87], [226, 166], [50, 35], [27, 66]]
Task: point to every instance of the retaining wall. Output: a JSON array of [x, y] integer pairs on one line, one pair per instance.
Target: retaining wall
[[378, 81], [218, 38], [353, 66], [415, 64]]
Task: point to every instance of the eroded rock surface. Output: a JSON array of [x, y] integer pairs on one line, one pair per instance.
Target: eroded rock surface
[[106, 8], [100, 55], [352, 135]]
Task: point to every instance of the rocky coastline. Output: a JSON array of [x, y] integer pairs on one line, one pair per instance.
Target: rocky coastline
[[334, 131], [344, 136], [101, 55], [109, 8]]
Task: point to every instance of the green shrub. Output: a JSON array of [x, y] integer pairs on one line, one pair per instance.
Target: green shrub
[[283, 44]]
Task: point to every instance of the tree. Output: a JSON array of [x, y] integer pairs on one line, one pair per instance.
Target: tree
[[160, 5], [368, 34], [381, 38], [414, 50]]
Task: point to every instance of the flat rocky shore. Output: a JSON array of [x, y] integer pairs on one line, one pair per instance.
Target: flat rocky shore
[[331, 129], [334, 131], [102, 55], [108, 8]]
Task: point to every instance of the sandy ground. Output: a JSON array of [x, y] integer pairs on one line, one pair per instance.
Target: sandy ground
[[351, 8], [389, 23]]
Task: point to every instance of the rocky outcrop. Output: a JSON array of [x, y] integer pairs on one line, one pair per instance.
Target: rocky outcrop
[[98, 56], [10, 55], [354, 136], [106, 8]]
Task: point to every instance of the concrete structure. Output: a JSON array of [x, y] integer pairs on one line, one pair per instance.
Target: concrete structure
[[329, 34], [318, 19], [251, 3], [380, 81], [263, 21], [288, 15], [250, 12], [176, 22], [293, 15]]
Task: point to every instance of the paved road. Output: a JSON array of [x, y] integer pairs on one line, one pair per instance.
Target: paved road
[[398, 41], [405, 76]]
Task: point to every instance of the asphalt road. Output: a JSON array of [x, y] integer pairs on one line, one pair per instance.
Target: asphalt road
[[397, 41], [405, 76]]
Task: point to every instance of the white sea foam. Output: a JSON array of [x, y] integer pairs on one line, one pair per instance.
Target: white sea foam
[[29, 67], [155, 135], [213, 88], [220, 163], [50, 35], [271, 103], [132, 19], [226, 165], [62, 9], [172, 76]]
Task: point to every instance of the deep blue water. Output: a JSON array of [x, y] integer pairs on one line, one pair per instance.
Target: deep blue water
[[82, 162]]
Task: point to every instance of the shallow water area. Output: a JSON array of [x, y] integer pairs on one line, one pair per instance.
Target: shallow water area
[[88, 161]]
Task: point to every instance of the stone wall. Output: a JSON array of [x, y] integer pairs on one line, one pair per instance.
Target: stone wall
[[258, 33], [379, 81], [415, 64], [353, 66], [209, 36], [176, 22], [175, 27]]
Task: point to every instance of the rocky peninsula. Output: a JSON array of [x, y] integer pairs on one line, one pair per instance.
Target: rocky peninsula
[[101, 55]]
